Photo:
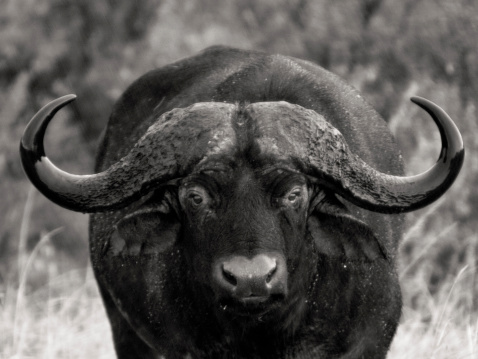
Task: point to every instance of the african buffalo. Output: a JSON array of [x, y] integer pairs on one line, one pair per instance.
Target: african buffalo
[[246, 205]]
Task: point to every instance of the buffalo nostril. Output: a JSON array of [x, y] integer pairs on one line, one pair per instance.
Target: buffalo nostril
[[229, 277], [270, 275], [244, 277]]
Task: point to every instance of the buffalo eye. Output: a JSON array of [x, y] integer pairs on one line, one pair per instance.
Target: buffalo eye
[[194, 198], [294, 197]]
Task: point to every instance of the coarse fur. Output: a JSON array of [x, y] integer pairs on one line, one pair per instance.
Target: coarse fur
[[153, 259]]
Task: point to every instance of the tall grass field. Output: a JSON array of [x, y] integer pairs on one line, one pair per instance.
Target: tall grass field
[[65, 317]]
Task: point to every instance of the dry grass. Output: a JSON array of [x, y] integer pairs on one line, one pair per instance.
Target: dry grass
[[65, 317], [444, 326]]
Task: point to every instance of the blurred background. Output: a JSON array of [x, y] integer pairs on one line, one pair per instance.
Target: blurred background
[[389, 50]]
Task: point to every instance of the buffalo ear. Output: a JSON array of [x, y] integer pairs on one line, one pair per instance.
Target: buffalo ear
[[339, 235], [150, 229]]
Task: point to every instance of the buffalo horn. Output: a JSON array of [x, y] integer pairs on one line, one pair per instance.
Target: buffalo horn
[[168, 150], [360, 184]]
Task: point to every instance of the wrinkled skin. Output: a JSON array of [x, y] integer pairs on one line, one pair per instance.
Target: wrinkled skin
[[154, 260]]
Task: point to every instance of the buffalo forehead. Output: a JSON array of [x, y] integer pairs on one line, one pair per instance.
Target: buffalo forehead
[[282, 129], [202, 128], [273, 129]]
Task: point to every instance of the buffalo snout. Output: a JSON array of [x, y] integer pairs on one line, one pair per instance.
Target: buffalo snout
[[251, 280]]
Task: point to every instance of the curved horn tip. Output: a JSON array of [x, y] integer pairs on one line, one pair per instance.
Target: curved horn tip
[[31, 143], [69, 96], [443, 121], [54, 106], [418, 99], [50, 109], [426, 104], [35, 129], [431, 107], [58, 103]]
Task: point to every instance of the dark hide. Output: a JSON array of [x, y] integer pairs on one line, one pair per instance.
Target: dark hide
[[339, 296]]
